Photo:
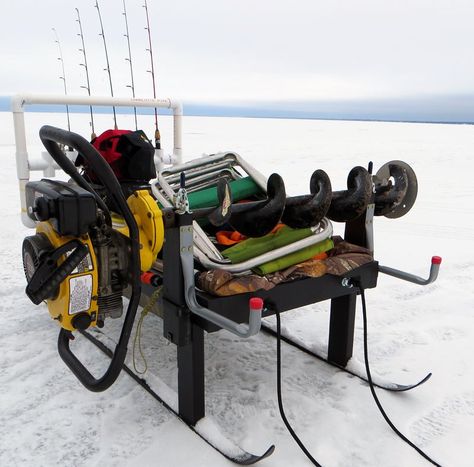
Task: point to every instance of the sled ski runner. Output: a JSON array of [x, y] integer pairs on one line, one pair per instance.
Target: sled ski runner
[[378, 382], [227, 447]]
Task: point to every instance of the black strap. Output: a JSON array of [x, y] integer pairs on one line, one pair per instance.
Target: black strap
[[372, 388], [280, 401]]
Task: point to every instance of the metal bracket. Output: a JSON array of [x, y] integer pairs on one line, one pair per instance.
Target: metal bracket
[[187, 261], [434, 270], [369, 227]]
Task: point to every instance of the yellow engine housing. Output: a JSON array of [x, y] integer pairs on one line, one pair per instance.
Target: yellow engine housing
[[149, 219], [78, 292]]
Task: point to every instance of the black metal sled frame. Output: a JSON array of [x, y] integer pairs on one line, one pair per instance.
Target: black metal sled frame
[[186, 329]]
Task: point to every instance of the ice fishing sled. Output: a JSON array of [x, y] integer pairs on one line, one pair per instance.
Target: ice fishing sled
[[133, 223]]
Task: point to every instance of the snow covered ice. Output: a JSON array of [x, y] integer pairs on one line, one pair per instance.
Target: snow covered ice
[[47, 418]]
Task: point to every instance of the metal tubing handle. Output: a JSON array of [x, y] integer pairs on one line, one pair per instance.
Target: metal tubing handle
[[434, 270], [325, 231], [187, 261]]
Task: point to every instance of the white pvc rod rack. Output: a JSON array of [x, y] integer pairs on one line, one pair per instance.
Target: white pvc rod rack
[[23, 164]]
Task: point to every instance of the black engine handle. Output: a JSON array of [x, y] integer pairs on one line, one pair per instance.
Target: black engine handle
[[51, 138]]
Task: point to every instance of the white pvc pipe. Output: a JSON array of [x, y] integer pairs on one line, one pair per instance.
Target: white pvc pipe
[[19, 101], [23, 165], [22, 168], [178, 131]]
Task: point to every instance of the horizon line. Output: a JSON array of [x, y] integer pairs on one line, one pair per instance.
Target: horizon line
[[367, 111]]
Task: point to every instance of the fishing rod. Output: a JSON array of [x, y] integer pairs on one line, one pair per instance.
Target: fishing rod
[[152, 71], [87, 87], [63, 76], [129, 60], [102, 33]]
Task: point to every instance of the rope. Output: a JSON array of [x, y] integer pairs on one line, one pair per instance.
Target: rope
[[138, 332]]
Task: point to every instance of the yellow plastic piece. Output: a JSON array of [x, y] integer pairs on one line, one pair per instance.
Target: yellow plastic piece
[[150, 224], [69, 301]]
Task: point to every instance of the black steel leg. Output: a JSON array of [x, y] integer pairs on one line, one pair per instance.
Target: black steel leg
[[191, 377], [341, 329], [179, 329]]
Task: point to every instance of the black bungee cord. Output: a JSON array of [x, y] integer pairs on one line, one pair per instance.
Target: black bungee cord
[[372, 388], [369, 379], [280, 401]]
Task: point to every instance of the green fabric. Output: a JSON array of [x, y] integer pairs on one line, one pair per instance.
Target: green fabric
[[294, 258], [253, 247], [241, 189]]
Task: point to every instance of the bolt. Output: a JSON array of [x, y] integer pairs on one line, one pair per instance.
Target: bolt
[[346, 282]]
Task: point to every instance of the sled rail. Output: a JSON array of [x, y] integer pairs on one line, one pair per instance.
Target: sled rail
[[25, 165]]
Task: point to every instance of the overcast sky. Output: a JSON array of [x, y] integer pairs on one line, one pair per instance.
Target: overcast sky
[[247, 50]]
